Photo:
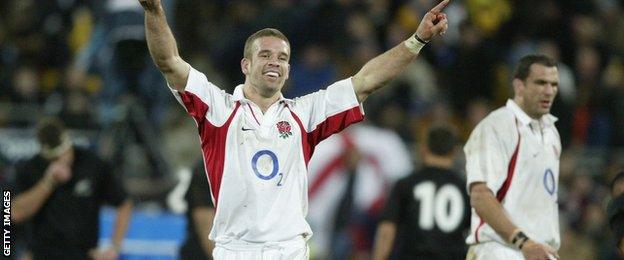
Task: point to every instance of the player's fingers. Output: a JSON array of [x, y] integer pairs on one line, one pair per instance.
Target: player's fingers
[[552, 252], [440, 16], [440, 27], [430, 17], [438, 8]]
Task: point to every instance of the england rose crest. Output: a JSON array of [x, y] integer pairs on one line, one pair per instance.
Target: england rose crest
[[284, 129]]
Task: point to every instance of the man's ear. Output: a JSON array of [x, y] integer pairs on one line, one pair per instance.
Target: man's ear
[[245, 66], [518, 86]]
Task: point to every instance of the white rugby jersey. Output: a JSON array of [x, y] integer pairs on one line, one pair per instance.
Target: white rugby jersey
[[521, 167], [256, 163]]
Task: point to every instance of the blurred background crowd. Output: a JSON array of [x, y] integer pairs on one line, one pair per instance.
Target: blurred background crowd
[[87, 63]]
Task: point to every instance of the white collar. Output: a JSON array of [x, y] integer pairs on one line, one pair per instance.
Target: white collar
[[239, 95], [525, 119]]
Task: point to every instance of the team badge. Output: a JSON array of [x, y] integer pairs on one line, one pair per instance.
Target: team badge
[[284, 129]]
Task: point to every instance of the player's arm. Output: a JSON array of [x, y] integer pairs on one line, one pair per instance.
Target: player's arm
[[31, 200], [384, 239], [492, 212], [162, 45], [124, 212], [203, 216], [379, 71], [122, 220]]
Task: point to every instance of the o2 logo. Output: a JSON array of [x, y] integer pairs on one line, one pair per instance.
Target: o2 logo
[[549, 182], [264, 155]]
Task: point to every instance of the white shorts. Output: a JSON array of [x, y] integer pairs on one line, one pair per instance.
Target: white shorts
[[296, 249], [493, 251]]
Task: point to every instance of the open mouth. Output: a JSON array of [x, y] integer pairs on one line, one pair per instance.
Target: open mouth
[[545, 103], [272, 74]]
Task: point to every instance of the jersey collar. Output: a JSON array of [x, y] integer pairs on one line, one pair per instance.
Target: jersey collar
[[525, 119], [240, 96]]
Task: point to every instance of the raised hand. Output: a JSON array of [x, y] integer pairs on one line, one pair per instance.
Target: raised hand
[[150, 5], [434, 22]]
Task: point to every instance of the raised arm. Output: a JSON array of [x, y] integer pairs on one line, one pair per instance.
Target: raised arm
[[162, 45], [379, 71]]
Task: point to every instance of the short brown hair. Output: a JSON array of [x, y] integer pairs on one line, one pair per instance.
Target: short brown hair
[[524, 65], [266, 32], [441, 139]]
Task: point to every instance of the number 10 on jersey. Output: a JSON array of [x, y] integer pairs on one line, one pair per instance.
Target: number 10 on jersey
[[443, 206]]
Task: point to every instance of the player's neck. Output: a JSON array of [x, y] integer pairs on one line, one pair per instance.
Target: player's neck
[[259, 99], [520, 102], [443, 162]]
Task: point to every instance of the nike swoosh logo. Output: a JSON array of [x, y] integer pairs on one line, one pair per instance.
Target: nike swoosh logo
[[246, 129]]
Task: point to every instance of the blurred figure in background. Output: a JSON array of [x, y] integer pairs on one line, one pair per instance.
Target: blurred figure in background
[[199, 217], [615, 210], [512, 165], [350, 175], [427, 207], [117, 52], [61, 191]]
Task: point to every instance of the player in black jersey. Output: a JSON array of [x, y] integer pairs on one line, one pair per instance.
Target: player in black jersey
[[428, 211]]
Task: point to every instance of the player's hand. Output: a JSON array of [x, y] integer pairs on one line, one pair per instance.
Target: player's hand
[[59, 171], [434, 22], [532, 250], [150, 5], [104, 254]]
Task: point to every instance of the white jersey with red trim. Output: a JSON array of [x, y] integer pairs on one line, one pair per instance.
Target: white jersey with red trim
[[256, 163], [518, 159]]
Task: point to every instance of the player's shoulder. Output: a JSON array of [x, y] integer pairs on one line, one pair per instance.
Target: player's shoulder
[[500, 119], [499, 116]]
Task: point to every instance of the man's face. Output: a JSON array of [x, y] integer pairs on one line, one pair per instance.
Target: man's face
[[538, 90], [267, 69]]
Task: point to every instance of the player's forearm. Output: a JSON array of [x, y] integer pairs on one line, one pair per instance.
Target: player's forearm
[[203, 217], [382, 69], [491, 211], [384, 240], [162, 46], [124, 213], [160, 40], [30, 202]]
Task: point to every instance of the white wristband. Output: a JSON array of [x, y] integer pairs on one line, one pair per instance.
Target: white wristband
[[413, 44]]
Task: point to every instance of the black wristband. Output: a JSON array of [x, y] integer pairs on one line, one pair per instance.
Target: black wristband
[[519, 239], [419, 39], [522, 242]]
